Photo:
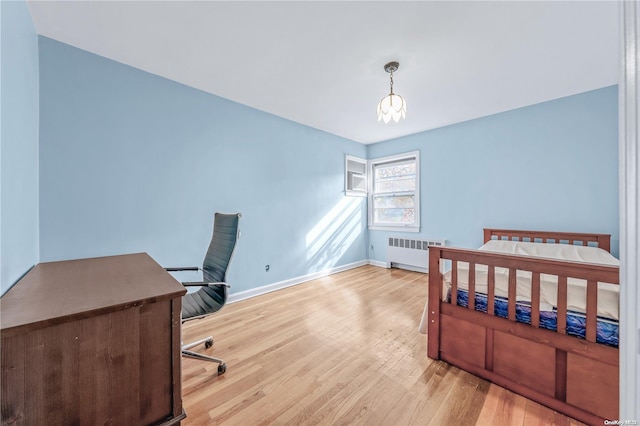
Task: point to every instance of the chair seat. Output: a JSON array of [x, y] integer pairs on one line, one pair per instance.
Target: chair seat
[[203, 302]]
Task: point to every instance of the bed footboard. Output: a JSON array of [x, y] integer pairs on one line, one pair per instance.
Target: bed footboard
[[575, 376]]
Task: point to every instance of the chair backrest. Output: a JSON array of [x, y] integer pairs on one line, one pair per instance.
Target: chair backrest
[[223, 243]]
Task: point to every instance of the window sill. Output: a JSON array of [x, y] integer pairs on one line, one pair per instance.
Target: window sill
[[398, 228], [352, 193]]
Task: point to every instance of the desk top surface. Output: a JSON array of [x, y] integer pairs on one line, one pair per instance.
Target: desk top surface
[[57, 292]]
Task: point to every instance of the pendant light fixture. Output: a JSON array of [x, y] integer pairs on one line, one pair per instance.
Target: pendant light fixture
[[392, 105]]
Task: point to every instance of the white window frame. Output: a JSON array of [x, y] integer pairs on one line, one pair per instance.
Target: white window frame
[[415, 227]]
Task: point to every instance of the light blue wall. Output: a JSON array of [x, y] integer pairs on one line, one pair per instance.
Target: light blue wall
[[133, 162], [18, 143], [550, 166]]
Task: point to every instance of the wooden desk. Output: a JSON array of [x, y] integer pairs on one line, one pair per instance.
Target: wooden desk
[[92, 341]]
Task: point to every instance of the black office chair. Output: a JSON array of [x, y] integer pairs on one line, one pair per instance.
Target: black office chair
[[213, 293]]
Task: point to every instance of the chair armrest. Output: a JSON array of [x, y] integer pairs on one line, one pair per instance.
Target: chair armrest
[[203, 284], [183, 268]]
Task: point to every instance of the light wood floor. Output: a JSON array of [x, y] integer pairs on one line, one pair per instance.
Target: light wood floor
[[340, 350]]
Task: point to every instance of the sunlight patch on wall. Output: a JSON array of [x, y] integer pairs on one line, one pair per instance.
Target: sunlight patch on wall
[[332, 236]]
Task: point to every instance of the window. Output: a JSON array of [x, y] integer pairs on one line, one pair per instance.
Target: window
[[394, 194]]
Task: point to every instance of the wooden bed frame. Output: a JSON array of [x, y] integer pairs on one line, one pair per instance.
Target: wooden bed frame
[[577, 377]]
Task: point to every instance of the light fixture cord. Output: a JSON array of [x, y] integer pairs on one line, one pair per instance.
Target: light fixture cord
[[391, 73]]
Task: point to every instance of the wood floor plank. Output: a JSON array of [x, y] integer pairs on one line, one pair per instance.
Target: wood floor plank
[[342, 349]]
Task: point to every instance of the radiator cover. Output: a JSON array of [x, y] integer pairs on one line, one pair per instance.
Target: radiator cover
[[410, 253]]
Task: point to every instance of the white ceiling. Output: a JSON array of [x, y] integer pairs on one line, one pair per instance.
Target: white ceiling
[[321, 63]]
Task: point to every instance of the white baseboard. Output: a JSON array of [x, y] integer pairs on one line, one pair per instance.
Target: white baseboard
[[242, 295], [379, 263], [388, 265], [410, 267]]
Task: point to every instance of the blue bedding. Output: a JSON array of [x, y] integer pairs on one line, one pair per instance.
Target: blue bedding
[[607, 330]]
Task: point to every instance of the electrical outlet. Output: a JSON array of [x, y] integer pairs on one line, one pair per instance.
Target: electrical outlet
[[266, 268]]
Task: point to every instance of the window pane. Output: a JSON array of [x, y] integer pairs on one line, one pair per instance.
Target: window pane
[[394, 209], [395, 177], [390, 201], [391, 215]]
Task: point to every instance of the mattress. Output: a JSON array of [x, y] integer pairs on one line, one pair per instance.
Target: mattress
[[608, 294], [606, 330]]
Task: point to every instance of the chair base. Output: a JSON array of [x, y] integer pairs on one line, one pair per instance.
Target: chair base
[[208, 342]]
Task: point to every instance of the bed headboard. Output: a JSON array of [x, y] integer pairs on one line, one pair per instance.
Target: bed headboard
[[602, 241]]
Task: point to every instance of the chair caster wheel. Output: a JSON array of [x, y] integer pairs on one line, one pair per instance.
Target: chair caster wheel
[[222, 368], [208, 343]]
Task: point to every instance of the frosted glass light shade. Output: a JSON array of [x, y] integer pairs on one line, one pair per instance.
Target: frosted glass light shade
[[392, 106]]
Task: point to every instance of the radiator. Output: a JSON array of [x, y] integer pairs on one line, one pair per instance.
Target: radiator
[[409, 253]]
